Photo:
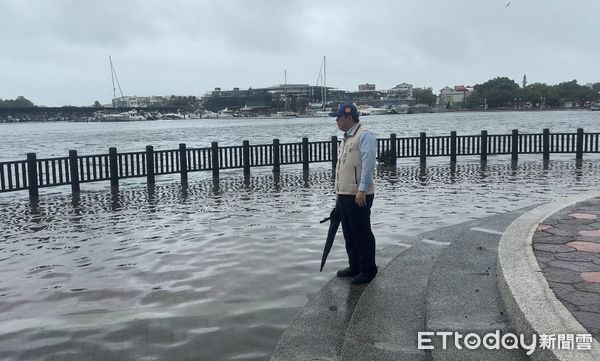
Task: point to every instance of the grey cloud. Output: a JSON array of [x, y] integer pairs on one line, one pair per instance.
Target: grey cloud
[[189, 47]]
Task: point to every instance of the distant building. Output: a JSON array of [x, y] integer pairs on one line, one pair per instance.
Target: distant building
[[367, 86], [454, 97], [141, 102], [400, 95], [280, 97], [401, 91], [218, 99], [156, 101]]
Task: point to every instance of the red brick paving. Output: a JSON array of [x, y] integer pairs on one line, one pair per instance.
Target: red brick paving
[[584, 246], [567, 246], [583, 216]]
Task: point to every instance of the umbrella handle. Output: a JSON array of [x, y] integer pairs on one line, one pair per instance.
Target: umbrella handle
[[324, 220]]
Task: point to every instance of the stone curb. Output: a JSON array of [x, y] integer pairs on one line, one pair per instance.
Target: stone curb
[[530, 303]]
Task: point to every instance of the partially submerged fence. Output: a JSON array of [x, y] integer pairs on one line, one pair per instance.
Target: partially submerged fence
[[33, 174]]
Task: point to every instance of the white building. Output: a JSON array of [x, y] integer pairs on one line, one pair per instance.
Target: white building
[[401, 91], [141, 102], [451, 98]]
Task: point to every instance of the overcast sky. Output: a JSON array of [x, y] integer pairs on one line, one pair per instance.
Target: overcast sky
[[55, 52]]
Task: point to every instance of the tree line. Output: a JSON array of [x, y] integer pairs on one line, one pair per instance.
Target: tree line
[[502, 92], [19, 102]]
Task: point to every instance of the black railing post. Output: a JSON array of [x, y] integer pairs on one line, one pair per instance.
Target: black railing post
[[305, 154], [150, 165], [546, 144], [393, 149], [423, 148], [484, 146], [74, 172], [246, 157], [113, 161], [515, 145], [32, 177], [334, 153], [183, 166], [579, 144], [214, 152], [453, 141], [276, 156]]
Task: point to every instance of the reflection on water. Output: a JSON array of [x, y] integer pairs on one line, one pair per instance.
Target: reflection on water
[[217, 270]]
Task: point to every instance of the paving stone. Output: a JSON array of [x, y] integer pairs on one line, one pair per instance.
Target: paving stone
[[593, 277], [588, 239], [562, 288], [540, 234], [554, 239], [563, 232], [583, 216], [571, 307], [553, 248], [595, 233], [580, 298], [577, 256], [542, 227], [588, 319], [591, 308], [562, 275], [588, 207], [546, 256], [574, 227], [584, 246], [575, 266], [587, 286], [570, 220]]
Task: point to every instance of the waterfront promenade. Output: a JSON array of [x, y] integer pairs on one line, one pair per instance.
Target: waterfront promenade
[[218, 270], [477, 277]]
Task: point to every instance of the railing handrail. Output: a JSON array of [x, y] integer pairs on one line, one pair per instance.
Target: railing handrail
[[73, 169]]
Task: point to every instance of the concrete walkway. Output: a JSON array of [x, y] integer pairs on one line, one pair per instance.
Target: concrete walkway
[[479, 277]]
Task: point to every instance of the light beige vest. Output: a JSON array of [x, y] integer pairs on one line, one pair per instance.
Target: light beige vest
[[349, 166]]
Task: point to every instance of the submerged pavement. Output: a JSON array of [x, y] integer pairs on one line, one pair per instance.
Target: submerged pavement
[[478, 277]]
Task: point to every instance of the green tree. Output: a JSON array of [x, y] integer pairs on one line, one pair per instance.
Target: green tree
[[573, 92], [474, 100], [19, 102], [498, 92], [424, 96], [97, 104], [596, 87], [537, 92]]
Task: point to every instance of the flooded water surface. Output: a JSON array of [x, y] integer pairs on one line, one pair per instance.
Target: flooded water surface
[[217, 271]]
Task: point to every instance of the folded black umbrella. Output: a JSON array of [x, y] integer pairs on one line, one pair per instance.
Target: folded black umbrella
[[334, 224]]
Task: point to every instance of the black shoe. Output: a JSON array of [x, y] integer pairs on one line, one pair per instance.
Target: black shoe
[[363, 278], [347, 272]]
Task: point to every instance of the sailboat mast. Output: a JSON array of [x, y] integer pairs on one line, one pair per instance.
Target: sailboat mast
[[112, 75], [285, 88], [325, 80]]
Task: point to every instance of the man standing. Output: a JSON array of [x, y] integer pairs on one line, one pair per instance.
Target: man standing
[[354, 194]]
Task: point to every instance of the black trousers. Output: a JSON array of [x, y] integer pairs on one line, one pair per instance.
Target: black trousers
[[356, 226]]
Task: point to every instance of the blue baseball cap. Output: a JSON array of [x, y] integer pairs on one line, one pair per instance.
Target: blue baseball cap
[[345, 109]]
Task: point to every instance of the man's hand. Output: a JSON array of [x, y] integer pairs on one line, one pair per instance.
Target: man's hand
[[361, 199]]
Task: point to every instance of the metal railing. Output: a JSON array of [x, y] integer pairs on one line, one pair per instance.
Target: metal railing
[[32, 173]]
